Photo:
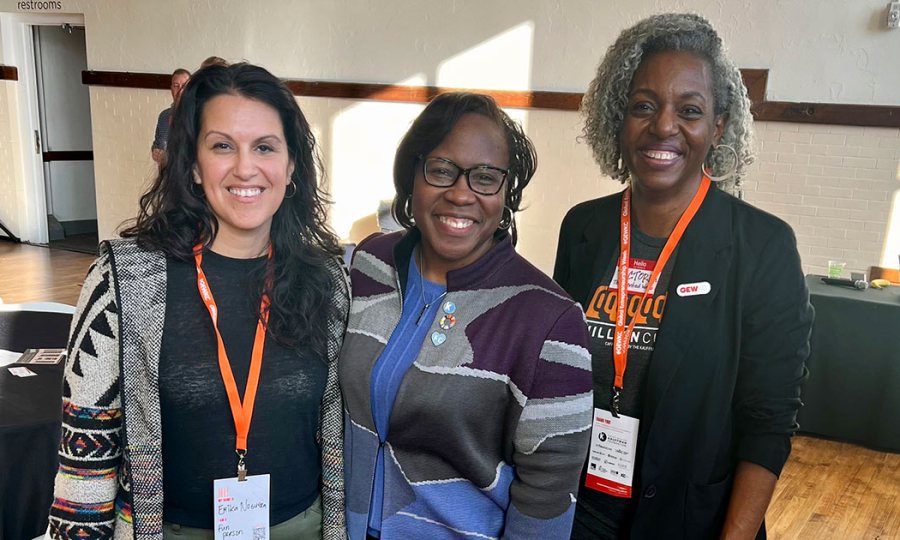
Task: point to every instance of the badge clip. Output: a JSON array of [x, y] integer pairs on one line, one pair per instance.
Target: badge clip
[[615, 401], [241, 467]]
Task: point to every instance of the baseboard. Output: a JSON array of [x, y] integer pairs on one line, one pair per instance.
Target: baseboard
[[55, 230], [81, 226]]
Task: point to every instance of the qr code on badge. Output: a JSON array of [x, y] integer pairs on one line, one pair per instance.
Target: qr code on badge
[[259, 533]]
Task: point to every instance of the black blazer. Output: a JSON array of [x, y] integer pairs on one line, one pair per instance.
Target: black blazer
[[724, 380]]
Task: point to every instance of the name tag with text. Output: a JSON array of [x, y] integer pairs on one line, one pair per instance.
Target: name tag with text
[[241, 508]]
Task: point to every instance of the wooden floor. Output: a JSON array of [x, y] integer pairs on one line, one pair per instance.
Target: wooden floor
[[37, 274], [828, 490], [833, 490]]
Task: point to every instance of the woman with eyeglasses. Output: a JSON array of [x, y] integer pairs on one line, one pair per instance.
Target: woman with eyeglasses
[[465, 371]]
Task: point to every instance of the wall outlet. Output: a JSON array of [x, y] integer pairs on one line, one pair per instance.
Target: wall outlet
[[893, 16]]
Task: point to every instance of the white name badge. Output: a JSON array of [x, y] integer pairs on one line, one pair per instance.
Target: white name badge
[[612, 454], [241, 509]]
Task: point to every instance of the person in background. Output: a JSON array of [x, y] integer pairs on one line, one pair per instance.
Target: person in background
[[180, 78], [205, 342], [465, 371], [696, 301], [213, 61]]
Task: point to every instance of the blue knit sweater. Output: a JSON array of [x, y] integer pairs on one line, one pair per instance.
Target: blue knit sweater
[[490, 426]]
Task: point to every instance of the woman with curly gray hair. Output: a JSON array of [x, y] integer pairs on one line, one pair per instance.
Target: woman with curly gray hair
[[696, 302]]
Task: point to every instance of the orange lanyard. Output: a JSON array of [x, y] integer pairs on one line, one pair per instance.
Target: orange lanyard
[[623, 333], [241, 412]]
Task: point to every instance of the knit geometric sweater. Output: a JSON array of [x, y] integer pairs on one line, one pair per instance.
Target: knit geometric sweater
[[109, 483], [490, 426]]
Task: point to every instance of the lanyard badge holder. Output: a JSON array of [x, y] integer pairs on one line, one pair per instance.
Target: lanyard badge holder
[[614, 435], [240, 504]]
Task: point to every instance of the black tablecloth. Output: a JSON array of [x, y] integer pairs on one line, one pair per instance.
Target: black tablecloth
[[20, 330], [853, 390], [30, 411]]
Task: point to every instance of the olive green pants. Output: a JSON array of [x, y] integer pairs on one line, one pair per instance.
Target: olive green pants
[[306, 525]]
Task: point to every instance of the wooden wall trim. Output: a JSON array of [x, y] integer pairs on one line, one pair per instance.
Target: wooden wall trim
[[67, 155], [9, 73], [125, 79], [754, 79], [563, 101], [827, 113]]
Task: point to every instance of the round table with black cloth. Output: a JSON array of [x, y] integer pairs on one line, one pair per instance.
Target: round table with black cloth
[[853, 390], [30, 413]]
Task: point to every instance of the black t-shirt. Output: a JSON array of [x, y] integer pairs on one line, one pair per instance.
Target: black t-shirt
[[603, 515], [198, 434]]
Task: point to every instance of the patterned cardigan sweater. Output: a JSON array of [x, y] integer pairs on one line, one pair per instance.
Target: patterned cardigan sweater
[[489, 429], [109, 483]]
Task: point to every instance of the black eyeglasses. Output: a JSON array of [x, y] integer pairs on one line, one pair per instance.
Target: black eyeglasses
[[482, 179]]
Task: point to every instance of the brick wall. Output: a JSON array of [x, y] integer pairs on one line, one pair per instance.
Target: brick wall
[[123, 120], [835, 185]]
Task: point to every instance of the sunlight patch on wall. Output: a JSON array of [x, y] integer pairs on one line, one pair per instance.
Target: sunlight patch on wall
[[363, 141], [890, 255], [501, 62]]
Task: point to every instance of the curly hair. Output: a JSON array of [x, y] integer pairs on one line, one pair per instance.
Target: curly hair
[[606, 99], [435, 123], [173, 218]]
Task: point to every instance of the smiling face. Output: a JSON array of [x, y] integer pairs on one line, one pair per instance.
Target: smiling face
[[244, 167], [670, 124], [457, 224]]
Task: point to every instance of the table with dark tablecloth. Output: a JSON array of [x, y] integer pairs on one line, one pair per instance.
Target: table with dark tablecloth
[[30, 413], [853, 390]]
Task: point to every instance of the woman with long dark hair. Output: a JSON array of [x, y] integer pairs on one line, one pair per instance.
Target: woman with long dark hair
[[204, 346]]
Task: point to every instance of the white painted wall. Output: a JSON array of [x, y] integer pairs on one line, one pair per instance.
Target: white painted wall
[[10, 191], [816, 50]]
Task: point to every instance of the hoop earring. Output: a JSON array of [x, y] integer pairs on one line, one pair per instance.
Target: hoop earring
[[407, 210], [286, 196], [193, 190], [621, 171], [708, 172], [506, 220]]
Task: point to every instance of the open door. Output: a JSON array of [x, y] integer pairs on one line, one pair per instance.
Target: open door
[[64, 137]]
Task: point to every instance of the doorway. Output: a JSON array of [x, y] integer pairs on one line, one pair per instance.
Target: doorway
[[63, 139]]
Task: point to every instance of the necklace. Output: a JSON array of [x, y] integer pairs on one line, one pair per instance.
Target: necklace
[[422, 290]]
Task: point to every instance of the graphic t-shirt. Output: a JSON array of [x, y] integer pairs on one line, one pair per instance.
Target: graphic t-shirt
[[607, 516]]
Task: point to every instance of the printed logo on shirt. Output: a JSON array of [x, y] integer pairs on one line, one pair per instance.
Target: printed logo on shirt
[[601, 310]]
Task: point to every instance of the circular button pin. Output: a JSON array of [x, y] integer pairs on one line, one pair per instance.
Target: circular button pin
[[447, 322]]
